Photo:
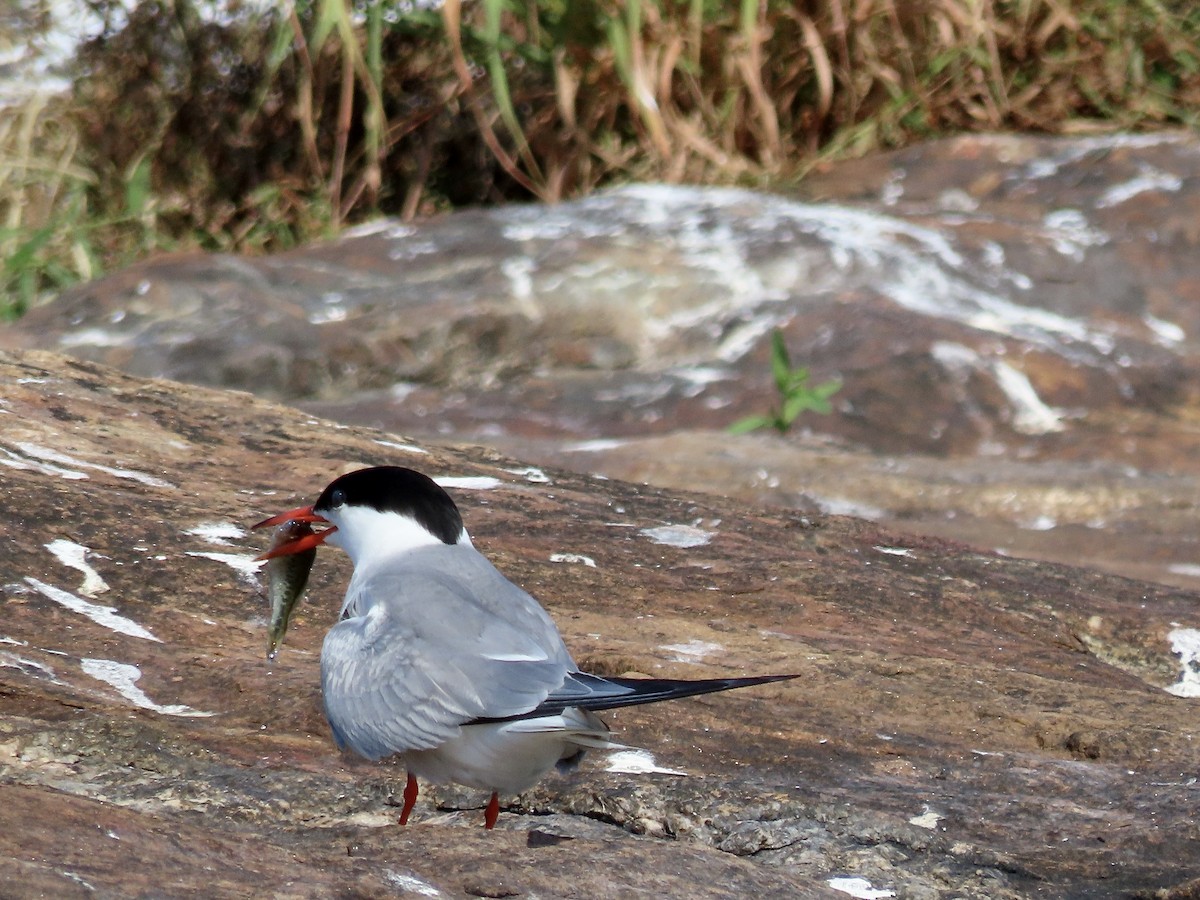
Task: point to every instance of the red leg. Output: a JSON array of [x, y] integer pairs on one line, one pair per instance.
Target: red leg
[[410, 798], [492, 813]]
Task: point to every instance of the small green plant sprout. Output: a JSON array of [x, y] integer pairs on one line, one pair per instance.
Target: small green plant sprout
[[796, 395]]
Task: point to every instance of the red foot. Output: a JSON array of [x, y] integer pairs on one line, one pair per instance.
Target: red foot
[[492, 813], [410, 798]]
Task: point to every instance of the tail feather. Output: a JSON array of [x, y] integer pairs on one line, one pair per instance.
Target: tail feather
[[653, 690], [591, 692]]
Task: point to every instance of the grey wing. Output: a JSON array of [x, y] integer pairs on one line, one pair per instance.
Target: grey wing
[[427, 657]]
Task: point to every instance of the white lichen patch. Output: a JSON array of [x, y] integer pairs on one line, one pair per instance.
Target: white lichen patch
[[75, 556], [637, 762], [105, 616], [1186, 643], [679, 535], [123, 678]]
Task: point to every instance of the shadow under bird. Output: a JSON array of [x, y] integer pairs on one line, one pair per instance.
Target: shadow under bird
[[438, 656]]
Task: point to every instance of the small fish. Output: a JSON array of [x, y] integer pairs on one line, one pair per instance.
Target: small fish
[[287, 577]]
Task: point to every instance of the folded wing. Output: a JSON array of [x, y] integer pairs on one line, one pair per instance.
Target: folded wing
[[427, 656]]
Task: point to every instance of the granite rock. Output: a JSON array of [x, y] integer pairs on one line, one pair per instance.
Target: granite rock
[[964, 725]]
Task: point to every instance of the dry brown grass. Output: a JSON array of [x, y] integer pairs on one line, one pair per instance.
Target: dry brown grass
[[258, 136]]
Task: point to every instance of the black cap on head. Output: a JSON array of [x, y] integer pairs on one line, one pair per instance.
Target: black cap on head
[[398, 490]]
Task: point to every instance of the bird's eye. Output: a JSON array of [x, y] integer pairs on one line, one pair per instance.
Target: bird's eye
[[338, 498]]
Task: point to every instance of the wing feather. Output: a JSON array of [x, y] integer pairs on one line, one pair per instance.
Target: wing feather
[[429, 652]]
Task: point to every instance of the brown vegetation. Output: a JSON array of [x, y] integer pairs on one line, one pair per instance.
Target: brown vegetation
[[262, 133]]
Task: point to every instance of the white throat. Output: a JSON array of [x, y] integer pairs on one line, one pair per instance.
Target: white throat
[[366, 534]]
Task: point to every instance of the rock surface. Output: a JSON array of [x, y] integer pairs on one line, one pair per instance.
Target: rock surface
[[965, 725], [1011, 313]]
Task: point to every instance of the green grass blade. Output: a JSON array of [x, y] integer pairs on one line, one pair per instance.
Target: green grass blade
[[751, 423]]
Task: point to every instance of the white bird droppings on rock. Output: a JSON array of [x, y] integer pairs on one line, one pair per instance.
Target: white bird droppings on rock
[[575, 558], [246, 566], [13, 461], [123, 678], [679, 535], [469, 482], [75, 556], [46, 454], [637, 762], [532, 474], [28, 666], [928, 819], [1186, 643], [404, 448], [221, 533], [106, 616], [692, 650], [859, 887], [411, 884]]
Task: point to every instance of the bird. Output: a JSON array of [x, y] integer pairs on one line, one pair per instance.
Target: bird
[[440, 658]]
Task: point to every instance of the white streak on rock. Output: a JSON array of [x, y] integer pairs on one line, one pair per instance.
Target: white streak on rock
[[375, 226], [405, 448], [75, 556], [577, 558], [1071, 234], [1149, 180], [1030, 414], [1168, 333], [532, 474], [679, 535], [105, 616], [123, 678], [692, 650], [245, 565], [411, 884], [928, 819], [845, 506], [637, 762], [599, 445], [47, 454], [220, 533], [28, 666], [469, 482], [859, 887], [93, 337], [13, 461]]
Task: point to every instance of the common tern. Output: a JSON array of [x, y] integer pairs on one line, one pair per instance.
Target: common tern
[[439, 657]]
